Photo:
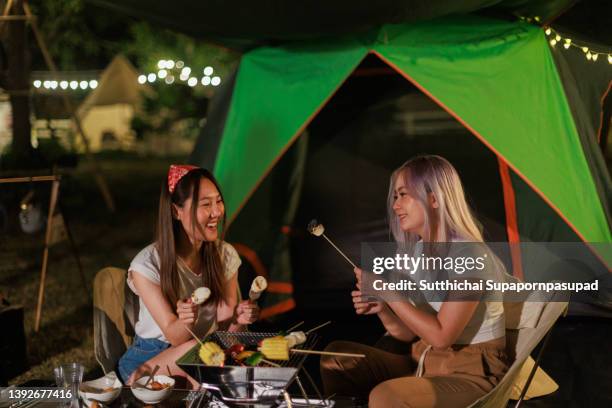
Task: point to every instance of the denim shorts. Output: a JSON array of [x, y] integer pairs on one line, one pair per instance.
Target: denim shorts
[[139, 352]]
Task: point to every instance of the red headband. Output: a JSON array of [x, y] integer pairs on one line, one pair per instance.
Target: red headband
[[176, 173]]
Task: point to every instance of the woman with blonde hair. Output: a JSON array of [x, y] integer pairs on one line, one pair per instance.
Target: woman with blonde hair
[[457, 350]]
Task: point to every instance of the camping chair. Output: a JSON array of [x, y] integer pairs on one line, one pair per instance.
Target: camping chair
[[115, 314], [527, 324]]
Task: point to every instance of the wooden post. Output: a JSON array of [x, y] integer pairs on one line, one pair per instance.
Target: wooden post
[[53, 204], [43, 271]]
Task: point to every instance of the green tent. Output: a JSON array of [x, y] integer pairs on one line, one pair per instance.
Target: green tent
[[531, 119], [498, 79]]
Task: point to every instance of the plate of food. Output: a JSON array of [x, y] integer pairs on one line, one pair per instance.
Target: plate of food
[[154, 391]]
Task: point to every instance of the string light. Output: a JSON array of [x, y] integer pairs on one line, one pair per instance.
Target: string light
[[589, 54], [170, 70]]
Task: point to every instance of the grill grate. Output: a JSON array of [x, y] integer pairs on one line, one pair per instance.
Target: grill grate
[[252, 339]]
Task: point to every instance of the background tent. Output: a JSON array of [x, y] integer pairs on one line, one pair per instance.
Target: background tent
[[498, 79], [107, 111]]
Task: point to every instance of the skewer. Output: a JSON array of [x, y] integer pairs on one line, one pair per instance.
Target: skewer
[[194, 336], [338, 249], [263, 360], [169, 372], [318, 230], [318, 327], [327, 353], [295, 326]]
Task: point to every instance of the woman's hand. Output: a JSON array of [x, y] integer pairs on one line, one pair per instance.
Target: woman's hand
[[187, 311], [362, 307], [358, 272], [246, 312]]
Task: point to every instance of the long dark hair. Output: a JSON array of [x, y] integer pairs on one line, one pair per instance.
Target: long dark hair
[[168, 230]]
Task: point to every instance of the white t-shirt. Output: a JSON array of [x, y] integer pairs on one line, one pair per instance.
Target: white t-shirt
[[146, 263], [487, 323]]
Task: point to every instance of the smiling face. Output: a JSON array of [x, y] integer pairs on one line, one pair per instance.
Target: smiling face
[[408, 209], [209, 213]]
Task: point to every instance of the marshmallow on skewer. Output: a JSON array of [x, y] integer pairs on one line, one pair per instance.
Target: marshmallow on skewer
[[257, 287], [315, 228], [200, 295], [296, 338], [318, 230]]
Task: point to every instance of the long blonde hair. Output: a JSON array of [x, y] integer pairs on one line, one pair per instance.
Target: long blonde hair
[[453, 219]]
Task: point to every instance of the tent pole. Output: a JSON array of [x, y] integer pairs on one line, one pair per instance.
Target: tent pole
[[514, 239]]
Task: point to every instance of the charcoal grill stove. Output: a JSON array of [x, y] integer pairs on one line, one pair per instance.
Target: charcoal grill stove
[[263, 385]]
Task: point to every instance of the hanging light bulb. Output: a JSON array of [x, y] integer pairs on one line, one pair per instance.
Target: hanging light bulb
[[558, 37], [585, 49], [609, 58], [548, 31], [589, 55], [553, 42], [567, 44], [595, 56]]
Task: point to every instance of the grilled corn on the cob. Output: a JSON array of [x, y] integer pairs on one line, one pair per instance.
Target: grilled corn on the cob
[[275, 348], [211, 354]]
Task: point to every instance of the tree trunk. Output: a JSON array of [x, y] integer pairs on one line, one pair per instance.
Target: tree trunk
[[19, 83]]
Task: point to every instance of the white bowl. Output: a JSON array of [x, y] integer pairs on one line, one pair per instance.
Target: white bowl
[[149, 396], [93, 390]]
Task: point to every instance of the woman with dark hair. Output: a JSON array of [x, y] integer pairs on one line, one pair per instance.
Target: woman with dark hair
[[187, 254]]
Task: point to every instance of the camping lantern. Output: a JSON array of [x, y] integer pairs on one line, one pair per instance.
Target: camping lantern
[[31, 218]]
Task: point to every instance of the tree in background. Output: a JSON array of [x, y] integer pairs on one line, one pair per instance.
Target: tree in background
[[15, 80], [81, 36]]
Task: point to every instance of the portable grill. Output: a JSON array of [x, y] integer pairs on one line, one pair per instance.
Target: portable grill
[[237, 385]]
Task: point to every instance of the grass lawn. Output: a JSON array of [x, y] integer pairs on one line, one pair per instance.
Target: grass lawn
[[103, 239]]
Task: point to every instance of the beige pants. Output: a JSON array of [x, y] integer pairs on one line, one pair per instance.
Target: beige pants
[[451, 377]]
